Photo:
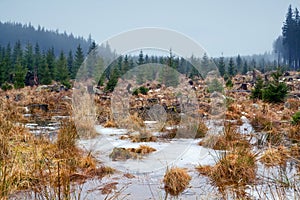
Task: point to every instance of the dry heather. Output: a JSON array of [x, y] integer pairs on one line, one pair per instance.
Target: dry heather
[[176, 180], [275, 156]]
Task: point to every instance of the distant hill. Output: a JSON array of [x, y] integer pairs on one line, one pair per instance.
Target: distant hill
[[12, 32]]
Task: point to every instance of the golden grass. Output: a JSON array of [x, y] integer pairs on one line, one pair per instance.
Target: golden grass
[[176, 180], [36, 164], [124, 154], [132, 123], [261, 122], [275, 156], [143, 136], [143, 149], [204, 169], [229, 139], [294, 133], [201, 130], [110, 124], [234, 170], [108, 188]]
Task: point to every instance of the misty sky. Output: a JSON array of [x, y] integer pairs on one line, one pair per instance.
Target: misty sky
[[231, 26]]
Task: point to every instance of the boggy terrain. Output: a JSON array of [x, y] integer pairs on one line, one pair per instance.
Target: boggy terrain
[[251, 145]]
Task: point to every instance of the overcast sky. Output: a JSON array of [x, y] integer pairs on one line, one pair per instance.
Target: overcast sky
[[232, 26]]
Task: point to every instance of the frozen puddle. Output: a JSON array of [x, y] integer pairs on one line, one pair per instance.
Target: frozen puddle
[[176, 152], [149, 170]]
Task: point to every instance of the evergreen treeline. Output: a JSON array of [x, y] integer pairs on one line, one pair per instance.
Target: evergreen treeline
[[165, 69], [287, 46], [14, 32], [32, 66], [229, 67]]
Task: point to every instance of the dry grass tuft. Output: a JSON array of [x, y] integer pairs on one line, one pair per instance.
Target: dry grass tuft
[[294, 133], [201, 130], [275, 156], [176, 180], [143, 136], [274, 136], [120, 154], [108, 188], [110, 124], [261, 123], [38, 165], [234, 170], [204, 169], [132, 122], [228, 140], [142, 149], [124, 154]]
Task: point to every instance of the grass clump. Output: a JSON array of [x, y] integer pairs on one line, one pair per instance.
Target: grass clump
[[120, 153], [176, 180], [201, 130], [229, 139], [275, 156], [234, 170], [294, 133], [261, 123]]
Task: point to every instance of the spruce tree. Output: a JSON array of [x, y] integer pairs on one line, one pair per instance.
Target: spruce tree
[[245, 68], [221, 66], [19, 75], [79, 58], [70, 62], [275, 91], [231, 68], [62, 70], [45, 78], [50, 59], [239, 63]]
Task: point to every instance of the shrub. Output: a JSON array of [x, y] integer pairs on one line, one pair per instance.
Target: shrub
[[256, 93], [275, 91], [143, 90], [229, 83], [215, 86], [5, 86], [296, 118], [176, 181]]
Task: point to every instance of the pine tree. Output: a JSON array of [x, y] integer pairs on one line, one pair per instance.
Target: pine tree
[[17, 53], [221, 66], [37, 70], [28, 57], [140, 74], [70, 62], [275, 91], [62, 70], [141, 58], [20, 73], [239, 63], [45, 73], [231, 68], [288, 34], [50, 59], [169, 74], [256, 93], [245, 68], [79, 58], [7, 63]]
